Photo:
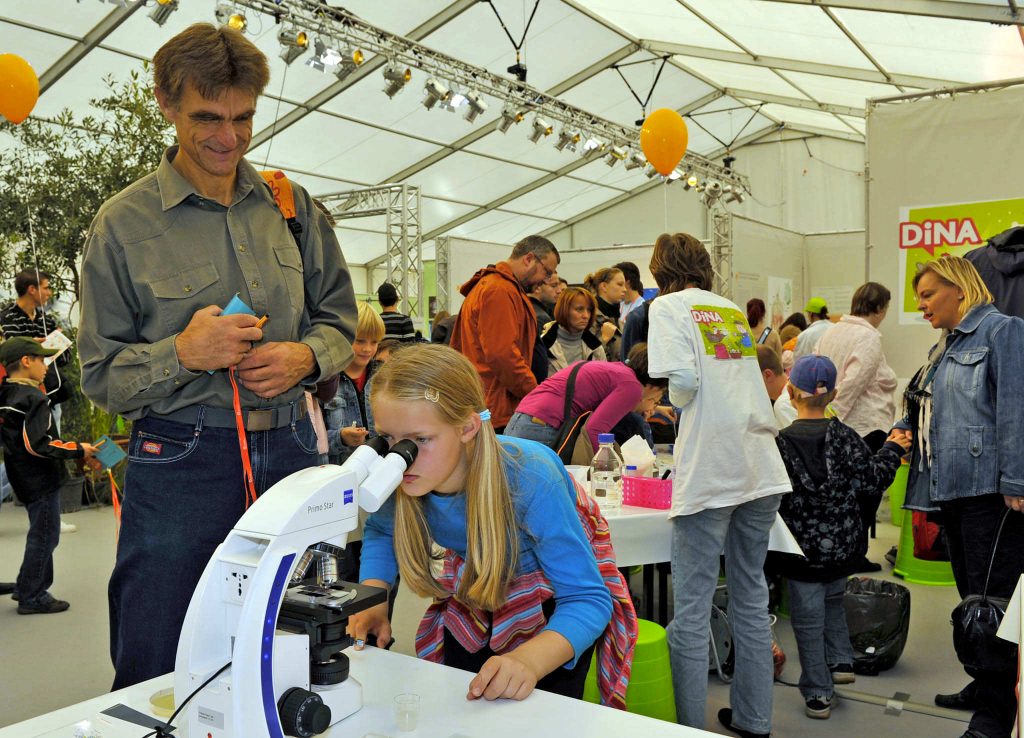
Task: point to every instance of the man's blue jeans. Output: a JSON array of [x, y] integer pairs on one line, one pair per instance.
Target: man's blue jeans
[[183, 494], [822, 636], [36, 573], [741, 532]]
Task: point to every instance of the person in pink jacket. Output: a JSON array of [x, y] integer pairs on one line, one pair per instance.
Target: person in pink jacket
[[866, 384]]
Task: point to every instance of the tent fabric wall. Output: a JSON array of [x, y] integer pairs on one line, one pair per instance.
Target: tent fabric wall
[[835, 266], [761, 250], [963, 148], [465, 257]]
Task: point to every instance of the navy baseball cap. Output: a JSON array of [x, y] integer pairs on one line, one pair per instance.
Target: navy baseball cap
[[813, 374]]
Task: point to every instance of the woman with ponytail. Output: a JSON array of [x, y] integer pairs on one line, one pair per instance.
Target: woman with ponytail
[[528, 588], [609, 288]]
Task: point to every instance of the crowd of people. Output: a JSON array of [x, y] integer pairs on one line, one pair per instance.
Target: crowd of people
[[528, 592]]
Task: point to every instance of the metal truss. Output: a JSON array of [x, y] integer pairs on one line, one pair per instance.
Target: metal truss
[[401, 206], [721, 251], [337, 26], [442, 254]]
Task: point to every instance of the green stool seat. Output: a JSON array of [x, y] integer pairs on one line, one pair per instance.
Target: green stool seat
[[897, 494], [650, 683], [919, 571]]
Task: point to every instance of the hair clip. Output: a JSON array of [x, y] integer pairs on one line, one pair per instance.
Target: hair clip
[[431, 394], [485, 416]]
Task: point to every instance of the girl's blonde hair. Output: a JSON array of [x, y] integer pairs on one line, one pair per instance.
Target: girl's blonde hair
[[369, 325], [957, 272], [445, 378], [601, 276]]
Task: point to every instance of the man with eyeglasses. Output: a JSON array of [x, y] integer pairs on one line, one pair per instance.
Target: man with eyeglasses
[[497, 328]]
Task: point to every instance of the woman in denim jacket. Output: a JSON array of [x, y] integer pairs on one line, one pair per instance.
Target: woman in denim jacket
[[970, 401]]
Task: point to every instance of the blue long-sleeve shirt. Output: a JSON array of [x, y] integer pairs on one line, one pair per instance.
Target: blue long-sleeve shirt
[[551, 539]]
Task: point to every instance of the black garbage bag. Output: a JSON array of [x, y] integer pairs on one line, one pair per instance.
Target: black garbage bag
[[878, 616]]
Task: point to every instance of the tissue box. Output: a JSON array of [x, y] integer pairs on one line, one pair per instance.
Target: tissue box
[[647, 492]]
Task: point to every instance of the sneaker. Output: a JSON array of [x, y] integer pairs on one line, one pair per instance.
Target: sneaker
[[67, 527], [962, 700], [45, 606], [819, 709], [890, 555], [843, 674], [725, 718]]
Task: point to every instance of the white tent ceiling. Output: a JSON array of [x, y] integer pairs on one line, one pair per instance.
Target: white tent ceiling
[[739, 69]]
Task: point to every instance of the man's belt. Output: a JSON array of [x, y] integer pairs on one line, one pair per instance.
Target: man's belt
[[263, 419]]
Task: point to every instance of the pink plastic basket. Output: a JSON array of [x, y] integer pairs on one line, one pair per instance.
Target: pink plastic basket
[[647, 492]]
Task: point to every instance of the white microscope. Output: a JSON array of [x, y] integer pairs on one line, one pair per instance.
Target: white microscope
[[276, 638]]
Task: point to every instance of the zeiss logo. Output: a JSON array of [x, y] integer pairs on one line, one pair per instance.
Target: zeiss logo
[[349, 497]]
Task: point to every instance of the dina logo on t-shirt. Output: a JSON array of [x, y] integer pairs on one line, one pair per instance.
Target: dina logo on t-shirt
[[707, 316], [725, 332]]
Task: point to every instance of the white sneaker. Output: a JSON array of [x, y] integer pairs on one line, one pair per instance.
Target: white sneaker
[[67, 527]]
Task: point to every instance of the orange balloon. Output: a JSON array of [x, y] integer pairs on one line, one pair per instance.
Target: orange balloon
[[19, 88], [663, 139]]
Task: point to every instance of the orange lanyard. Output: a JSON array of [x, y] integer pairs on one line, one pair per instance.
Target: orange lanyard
[[243, 444]]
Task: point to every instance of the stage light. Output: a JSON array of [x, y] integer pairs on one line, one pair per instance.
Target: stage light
[[475, 106], [567, 139], [691, 181], [634, 161], [712, 192], [541, 128], [593, 144], [733, 194], [397, 77], [434, 92], [294, 43], [614, 156], [162, 10], [230, 16], [509, 117]]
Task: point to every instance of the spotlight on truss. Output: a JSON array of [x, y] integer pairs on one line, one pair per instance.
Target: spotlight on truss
[[733, 194], [475, 106], [509, 117], [435, 92], [634, 161], [162, 10], [650, 172], [614, 156], [396, 77], [541, 128], [593, 144], [294, 43], [230, 16], [712, 192], [691, 181], [567, 139]]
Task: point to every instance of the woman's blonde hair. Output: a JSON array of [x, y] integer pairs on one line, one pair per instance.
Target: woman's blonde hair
[[369, 325], [601, 276], [957, 272], [563, 307], [442, 376]]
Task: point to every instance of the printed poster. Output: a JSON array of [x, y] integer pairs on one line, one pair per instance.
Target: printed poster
[[927, 232], [725, 332], [779, 301]]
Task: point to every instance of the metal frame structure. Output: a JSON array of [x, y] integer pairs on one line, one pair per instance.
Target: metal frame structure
[[442, 254], [721, 251], [400, 204]]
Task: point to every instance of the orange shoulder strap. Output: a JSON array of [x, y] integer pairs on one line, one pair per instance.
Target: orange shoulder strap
[[281, 188]]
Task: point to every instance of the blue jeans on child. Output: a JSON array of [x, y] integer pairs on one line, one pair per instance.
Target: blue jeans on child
[[36, 574], [183, 495], [822, 636], [521, 425], [741, 531]]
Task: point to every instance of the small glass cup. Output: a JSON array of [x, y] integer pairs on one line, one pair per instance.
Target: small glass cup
[[407, 711]]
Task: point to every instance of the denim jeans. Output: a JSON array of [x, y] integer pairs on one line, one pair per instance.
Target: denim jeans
[[741, 531], [822, 636], [521, 425], [183, 494], [971, 525], [36, 573]]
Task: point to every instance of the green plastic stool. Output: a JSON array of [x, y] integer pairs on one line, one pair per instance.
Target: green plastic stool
[[650, 683], [897, 494], [919, 571]]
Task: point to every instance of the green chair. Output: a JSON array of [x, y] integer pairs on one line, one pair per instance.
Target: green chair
[[898, 493], [919, 571], [650, 683]]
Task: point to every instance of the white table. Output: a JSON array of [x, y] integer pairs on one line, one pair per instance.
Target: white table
[[444, 710]]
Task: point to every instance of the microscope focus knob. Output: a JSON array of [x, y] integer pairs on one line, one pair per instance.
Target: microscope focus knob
[[303, 713]]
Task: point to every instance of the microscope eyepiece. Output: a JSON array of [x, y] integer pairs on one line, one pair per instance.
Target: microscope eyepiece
[[378, 444], [407, 450]]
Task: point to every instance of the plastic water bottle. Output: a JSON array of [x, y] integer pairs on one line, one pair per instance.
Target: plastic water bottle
[[606, 474]]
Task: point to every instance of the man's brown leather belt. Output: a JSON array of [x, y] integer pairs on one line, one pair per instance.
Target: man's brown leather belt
[[264, 419]]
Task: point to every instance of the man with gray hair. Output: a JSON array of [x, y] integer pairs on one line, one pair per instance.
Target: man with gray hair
[[497, 328], [163, 258]]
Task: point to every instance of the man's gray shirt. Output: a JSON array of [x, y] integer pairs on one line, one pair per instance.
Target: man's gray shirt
[[158, 251]]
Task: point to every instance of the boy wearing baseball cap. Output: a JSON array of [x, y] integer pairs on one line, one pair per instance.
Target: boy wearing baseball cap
[[830, 467], [34, 457]]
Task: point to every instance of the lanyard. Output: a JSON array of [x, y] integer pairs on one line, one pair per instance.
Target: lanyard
[[243, 444]]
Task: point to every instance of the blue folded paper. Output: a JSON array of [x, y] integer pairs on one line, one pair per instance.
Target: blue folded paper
[[108, 453], [235, 306]]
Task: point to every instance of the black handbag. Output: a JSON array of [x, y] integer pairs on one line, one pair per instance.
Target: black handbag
[[573, 445], [975, 622]]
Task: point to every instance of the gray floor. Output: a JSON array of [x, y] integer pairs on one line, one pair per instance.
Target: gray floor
[[49, 661]]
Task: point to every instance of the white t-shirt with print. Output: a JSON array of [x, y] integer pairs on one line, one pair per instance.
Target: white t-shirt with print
[[725, 453]]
